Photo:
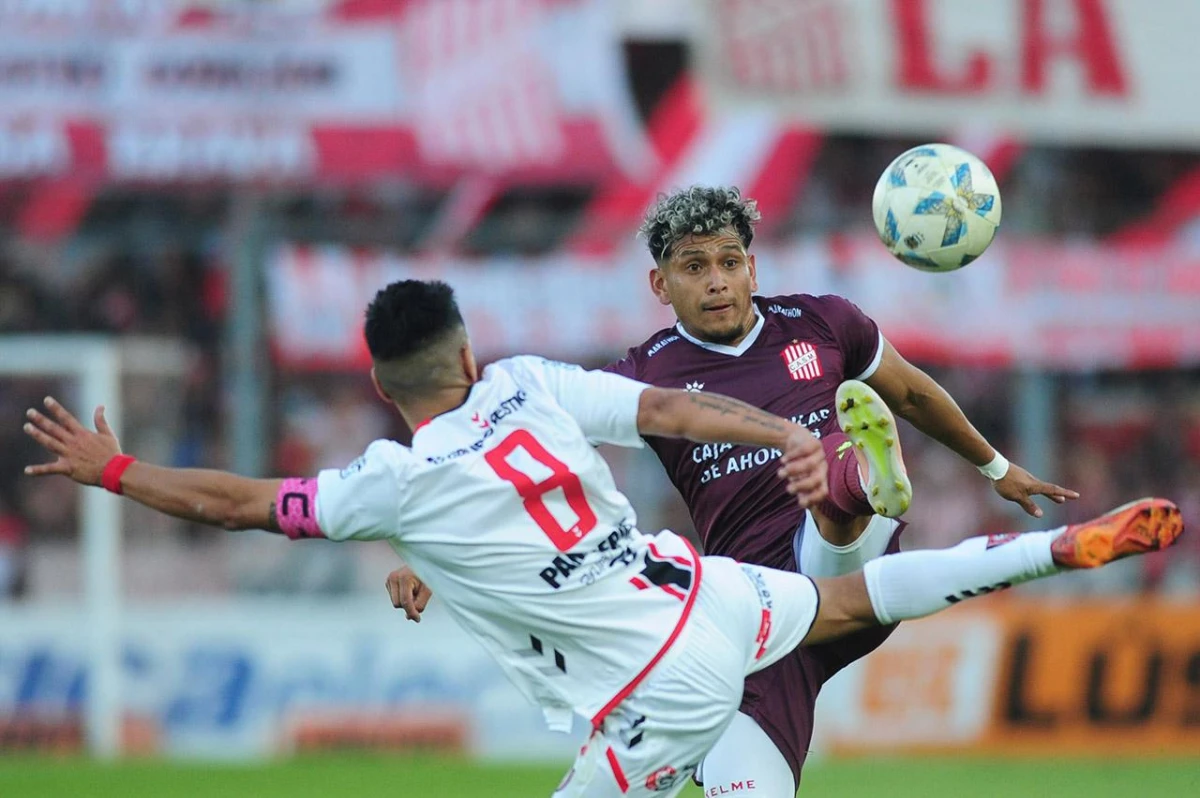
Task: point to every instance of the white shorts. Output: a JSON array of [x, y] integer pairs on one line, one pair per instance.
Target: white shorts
[[746, 617]]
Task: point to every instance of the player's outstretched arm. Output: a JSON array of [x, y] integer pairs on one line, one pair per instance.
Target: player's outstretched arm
[[204, 496], [899, 587], [714, 418], [916, 397]]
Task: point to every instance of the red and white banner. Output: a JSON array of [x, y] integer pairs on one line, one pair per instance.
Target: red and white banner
[[1032, 304], [1115, 71], [129, 90]]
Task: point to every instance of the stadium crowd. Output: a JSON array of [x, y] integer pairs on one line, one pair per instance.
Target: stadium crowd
[[152, 263]]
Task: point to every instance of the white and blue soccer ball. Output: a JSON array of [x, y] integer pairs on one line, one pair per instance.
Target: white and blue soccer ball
[[936, 207]]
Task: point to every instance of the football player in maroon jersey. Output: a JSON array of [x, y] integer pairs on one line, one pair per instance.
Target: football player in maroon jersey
[[821, 362]]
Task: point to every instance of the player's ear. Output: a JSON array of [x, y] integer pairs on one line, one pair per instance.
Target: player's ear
[[753, 273], [469, 365], [379, 391], [658, 284]]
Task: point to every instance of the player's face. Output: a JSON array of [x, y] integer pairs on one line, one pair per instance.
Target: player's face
[[709, 280]]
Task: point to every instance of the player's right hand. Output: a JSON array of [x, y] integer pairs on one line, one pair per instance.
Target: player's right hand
[[408, 593], [1019, 486], [82, 454], [804, 469]]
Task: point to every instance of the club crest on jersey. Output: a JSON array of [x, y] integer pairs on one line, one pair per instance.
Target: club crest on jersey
[[694, 387], [801, 360]]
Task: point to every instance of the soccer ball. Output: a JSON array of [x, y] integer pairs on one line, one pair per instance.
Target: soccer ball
[[936, 207]]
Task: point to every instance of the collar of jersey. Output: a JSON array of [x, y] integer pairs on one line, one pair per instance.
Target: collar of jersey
[[445, 413], [723, 349]]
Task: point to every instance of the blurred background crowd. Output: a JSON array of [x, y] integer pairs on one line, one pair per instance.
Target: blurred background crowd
[[152, 263], [151, 260]]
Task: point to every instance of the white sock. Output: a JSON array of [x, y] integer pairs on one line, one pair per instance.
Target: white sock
[[819, 558], [918, 583]]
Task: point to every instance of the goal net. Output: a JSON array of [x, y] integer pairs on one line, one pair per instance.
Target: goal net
[[141, 383]]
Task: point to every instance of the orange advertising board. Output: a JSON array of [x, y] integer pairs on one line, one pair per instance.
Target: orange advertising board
[[1098, 677], [1024, 676]]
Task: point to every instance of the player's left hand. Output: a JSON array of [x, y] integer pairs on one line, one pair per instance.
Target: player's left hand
[[803, 467], [82, 454], [1019, 486], [408, 593]]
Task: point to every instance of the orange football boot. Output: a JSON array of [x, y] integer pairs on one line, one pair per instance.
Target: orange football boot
[[1136, 528]]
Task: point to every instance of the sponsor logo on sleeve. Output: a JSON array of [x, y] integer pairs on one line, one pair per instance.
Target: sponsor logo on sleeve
[[653, 350], [791, 313], [767, 604]]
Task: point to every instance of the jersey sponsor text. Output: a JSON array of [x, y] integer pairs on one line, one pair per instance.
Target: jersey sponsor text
[[506, 408], [653, 350]]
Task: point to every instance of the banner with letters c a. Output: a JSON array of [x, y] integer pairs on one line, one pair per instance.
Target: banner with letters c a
[[1110, 71]]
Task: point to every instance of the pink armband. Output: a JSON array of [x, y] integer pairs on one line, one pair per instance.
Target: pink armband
[[296, 509]]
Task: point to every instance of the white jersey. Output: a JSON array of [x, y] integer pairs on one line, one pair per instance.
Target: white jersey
[[508, 513]]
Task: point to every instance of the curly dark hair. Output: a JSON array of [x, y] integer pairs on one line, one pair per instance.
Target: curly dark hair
[[408, 316], [699, 210]]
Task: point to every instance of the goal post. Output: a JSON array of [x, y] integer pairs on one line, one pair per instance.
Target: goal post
[[98, 363]]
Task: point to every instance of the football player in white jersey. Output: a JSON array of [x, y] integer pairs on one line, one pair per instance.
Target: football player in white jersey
[[503, 506]]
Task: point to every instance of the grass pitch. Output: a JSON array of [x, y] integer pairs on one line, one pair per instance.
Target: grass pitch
[[437, 777]]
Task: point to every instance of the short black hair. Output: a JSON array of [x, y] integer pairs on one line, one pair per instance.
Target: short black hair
[[408, 316], [698, 210]]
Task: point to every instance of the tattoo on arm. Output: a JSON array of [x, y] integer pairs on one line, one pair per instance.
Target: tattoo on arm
[[726, 406], [272, 518]]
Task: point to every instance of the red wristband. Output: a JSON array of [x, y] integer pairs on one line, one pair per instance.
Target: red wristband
[[110, 478]]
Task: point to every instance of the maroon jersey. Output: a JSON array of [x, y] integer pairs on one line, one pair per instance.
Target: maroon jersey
[[791, 365]]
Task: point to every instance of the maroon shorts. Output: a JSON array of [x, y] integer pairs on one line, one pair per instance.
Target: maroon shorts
[[783, 697]]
